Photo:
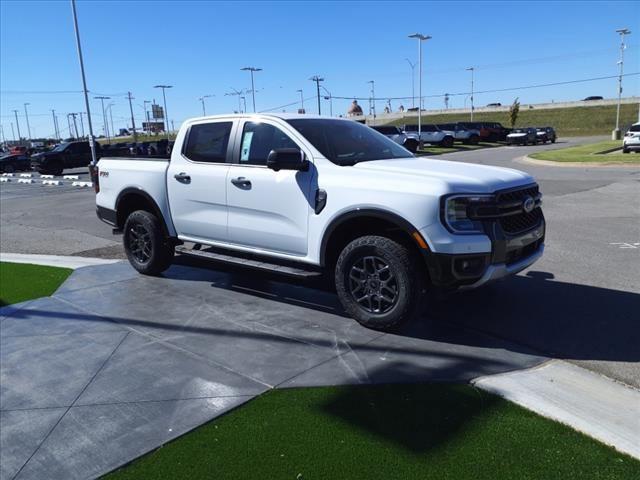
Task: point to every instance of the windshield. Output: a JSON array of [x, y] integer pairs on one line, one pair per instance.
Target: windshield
[[60, 147], [347, 143]]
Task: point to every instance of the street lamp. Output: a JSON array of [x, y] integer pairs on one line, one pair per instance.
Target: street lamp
[[104, 117], [164, 99], [622, 32], [253, 89], [421, 38], [26, 115], [317, 79], [330, 98], [301, 99], [471, 69], [413, 82], [204, 112]]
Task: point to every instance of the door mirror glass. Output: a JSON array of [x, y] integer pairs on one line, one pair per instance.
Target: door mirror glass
[[287, 159]]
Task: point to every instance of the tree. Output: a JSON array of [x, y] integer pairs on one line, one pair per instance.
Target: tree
[[514, 110]]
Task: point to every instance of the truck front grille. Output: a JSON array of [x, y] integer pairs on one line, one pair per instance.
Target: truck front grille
[[522, 221]]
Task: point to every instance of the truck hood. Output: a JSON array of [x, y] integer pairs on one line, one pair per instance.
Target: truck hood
[[453, 176]]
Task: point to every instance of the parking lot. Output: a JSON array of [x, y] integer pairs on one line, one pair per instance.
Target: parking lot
[[228, 334]]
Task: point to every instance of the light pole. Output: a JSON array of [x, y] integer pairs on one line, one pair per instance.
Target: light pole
[[622, 32], [421, 38], [164, 99], [55, 124], [18, 126], [244, 103], [204, 113], [317, 79], [104, 117], [330, 98], [253, 89], [301, 99], [94, 158], [82, 124], [13, 133], [26, 115], [471, 69], [413, 82]]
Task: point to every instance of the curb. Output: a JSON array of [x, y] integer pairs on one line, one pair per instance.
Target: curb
[[55, 260], [585, 401], [550, 163]]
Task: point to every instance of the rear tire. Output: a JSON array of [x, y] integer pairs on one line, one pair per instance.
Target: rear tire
[[447, 142], [625, 150], [148, 249], [379, 282], [56, 169]]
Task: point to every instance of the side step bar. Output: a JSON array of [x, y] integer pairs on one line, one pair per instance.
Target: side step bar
[[248, 263]]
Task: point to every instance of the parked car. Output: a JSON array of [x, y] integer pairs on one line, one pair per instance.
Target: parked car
[[458, 132], [398, 136], [546, 134], [496, 104], [631, 140], [593, 97], [333, 199], [430, 134], [523, 136], [498, 133], [64, 155], [14, 163]]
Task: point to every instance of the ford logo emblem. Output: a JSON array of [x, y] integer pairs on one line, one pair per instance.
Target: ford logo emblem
[[528, 204]]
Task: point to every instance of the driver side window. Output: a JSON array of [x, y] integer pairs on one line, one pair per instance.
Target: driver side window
[[258, 139]]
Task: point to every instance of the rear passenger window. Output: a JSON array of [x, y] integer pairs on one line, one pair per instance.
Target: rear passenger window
[[208, 142], [258, 139]]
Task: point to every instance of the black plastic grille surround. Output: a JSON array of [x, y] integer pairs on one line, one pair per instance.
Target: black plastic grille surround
[[523, 221]]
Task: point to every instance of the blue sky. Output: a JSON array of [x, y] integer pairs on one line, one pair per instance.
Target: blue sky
[[199, 47]]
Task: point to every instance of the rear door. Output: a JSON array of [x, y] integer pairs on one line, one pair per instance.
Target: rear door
[[197, 182], [268, 210]]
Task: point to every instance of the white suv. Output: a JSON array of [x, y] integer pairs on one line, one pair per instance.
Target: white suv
[[631, 140]]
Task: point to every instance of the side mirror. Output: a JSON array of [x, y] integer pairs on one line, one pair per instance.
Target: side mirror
[[287, 159]]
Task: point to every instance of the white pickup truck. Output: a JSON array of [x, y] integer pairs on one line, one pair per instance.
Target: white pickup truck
[[308, 195]]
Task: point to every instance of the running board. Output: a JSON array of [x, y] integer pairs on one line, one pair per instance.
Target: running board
[[248, 263]]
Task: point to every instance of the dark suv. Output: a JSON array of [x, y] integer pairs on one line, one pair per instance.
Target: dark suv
[[64, 155]]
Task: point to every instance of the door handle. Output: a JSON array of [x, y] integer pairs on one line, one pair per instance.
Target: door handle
[[182, 177], [241, 182]]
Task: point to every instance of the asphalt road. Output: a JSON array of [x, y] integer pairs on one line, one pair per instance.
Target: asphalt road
[[580, 302]]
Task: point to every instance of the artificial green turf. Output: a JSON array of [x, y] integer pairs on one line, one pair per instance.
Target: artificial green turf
[[592, 152], [20, 282], [435, 431]]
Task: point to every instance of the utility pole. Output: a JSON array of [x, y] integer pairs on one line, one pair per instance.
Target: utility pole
[[421, 38], [13, 133], [133, 122], [317, 79], [18, 126], [301, 98], [413, 82], [615, 135], [253, 88], [166, 115], [4, 140], [146, 114], [69, 125], [104, 117], [55, 124], [26, 115], [471, 69], [113, 131], [94, 158]]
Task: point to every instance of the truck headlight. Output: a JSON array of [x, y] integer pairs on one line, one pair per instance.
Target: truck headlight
[[456, 213]]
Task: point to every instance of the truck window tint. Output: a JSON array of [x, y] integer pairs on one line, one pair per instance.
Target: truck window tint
[[208, 142], [258, 139]]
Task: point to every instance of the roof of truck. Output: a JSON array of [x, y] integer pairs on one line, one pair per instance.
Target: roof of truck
[[283, 116]]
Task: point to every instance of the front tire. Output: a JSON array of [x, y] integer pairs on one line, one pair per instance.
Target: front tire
[[148, 249], [379, 282]]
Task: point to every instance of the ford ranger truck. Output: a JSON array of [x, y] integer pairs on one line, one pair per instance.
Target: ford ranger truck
[[309, 196]]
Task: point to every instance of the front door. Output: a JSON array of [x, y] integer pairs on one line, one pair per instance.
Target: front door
[[196, 182], [268, 210]]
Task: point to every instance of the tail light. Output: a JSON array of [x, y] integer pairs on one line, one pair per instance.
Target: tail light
[[95, 175]]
